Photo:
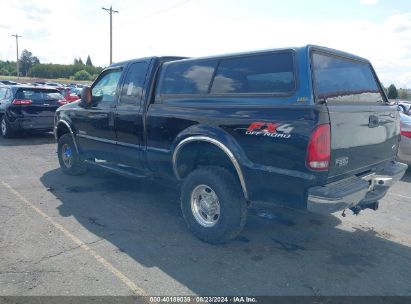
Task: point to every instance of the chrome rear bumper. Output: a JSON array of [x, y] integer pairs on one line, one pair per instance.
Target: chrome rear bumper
[[353, 191]]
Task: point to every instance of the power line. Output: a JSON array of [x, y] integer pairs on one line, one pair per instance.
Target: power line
[[111, 11], [17, 52], [155, 13]]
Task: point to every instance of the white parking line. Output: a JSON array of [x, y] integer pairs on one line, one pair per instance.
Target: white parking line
[[122, 277]]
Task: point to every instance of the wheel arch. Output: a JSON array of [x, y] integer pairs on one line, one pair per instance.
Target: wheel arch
[[225, 151], [3, 113], [63, 127]]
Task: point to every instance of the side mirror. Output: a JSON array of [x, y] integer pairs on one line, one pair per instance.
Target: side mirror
[[86, 96]]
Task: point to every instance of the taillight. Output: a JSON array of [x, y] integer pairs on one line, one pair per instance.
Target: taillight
[[62, 102], [319, 150], [21, 102], [406, 133]]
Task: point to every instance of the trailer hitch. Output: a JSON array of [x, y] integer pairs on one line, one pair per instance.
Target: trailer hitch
[[357, 209]]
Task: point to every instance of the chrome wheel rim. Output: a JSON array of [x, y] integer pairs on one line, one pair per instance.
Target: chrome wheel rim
[[3, 127], [205, 206], [67, 155]]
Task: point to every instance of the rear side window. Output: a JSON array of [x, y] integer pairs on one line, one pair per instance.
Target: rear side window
[[340, 79], [188, 77], [262, 73]]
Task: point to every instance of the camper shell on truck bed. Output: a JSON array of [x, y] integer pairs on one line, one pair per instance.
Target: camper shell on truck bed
[[307, 128]]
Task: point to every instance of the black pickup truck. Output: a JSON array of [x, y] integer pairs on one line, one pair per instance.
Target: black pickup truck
[[307, 128]]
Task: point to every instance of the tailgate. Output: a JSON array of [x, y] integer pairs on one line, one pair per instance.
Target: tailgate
[[361, 137], [364, 127]]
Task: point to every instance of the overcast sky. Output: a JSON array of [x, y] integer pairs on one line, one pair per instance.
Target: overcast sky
[[59, 31]]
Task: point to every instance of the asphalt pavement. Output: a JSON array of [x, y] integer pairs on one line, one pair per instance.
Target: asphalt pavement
[[102, 234]]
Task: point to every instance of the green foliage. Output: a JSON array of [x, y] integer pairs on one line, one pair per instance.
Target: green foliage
[[4, 72], [392, 92], [7, 68], [31, 66], [403, 94], [88, 61], [82, 75], [27, 60], [61, 71]]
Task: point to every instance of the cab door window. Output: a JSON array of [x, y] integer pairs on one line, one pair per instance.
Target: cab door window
[[105, 90]]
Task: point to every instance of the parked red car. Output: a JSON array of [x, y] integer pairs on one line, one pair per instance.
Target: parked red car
[[69, 94]]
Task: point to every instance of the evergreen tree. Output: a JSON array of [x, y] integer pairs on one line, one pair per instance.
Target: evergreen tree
[[88, 61]]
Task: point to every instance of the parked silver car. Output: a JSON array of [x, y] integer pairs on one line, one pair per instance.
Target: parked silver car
[[404, 153]]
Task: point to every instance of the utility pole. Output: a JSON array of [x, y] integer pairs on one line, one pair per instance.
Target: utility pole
[[111, 11], [17, 52]]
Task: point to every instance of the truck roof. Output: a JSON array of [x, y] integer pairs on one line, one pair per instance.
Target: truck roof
[[335, 51], [121, 63], [304, 49]]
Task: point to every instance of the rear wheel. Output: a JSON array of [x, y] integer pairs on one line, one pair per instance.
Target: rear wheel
[[213, 205], [70, 161], [5, 127]]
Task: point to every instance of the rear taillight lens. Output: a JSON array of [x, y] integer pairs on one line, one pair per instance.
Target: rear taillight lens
[[406, 133], [22, 102], [62, 102], [318, 151]]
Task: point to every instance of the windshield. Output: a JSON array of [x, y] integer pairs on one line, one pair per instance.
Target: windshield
[[344, 80]]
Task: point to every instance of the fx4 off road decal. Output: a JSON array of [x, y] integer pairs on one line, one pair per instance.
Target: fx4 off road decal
[[269, 129]]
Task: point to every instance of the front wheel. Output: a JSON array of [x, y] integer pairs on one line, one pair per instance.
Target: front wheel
[[69, 159], [213, 205]]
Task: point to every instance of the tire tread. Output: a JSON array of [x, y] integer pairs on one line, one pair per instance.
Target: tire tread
[[230, 189]]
